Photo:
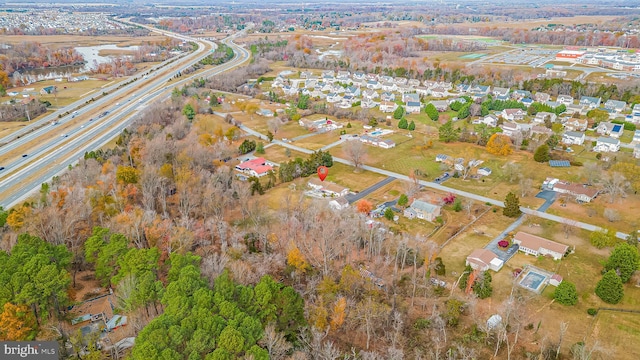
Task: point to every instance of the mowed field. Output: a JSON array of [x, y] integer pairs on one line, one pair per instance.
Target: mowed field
[[60, 41]]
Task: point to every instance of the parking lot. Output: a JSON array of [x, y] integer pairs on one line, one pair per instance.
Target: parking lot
[[528, 56]]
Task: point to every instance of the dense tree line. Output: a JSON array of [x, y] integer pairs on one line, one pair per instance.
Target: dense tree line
[[33, 55]]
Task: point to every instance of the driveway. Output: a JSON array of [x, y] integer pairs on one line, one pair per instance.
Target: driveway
[[351, 198], [549, 197]]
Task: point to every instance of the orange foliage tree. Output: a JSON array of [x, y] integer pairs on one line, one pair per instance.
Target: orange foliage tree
[[297, 260], [499, 144], [364, 206], [16, 323]]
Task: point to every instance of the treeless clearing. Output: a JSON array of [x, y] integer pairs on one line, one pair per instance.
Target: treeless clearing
[[59, 41], [573, 20]]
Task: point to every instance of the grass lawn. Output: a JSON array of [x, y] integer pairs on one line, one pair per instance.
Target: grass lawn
[[318, 141], [627, 136], [278, 154], [617, 331], [344, 175]]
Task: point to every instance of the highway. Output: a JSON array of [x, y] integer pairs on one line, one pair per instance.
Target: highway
[[23, 175]]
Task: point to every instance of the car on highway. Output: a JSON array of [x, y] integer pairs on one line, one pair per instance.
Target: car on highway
[[1, 168], [64, 135], [24, 155]]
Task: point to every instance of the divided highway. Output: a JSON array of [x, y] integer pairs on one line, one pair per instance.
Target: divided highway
[[24, 174]]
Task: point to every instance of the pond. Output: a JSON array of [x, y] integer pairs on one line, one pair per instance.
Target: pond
[[91, 55]]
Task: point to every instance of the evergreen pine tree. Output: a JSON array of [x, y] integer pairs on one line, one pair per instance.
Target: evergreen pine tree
[[511, 205]]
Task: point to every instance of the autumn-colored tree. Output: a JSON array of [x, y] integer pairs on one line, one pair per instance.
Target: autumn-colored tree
[[17, 216], [127, 174], [338, 313], [16, 323], [499, 144], [364, 206], [296, 259]]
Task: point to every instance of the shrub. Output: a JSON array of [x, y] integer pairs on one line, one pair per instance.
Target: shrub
[[592, 311]]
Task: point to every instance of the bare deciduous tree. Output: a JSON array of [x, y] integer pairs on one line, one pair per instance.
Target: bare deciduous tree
[[615, 185], [526, 185], [355, 151]]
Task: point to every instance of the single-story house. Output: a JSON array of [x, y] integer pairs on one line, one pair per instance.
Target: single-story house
[[484, 171], [410, 97], [636, 136], [536, 246], [520, 94], [573, 138], [255, 167], [339, 203], [498, 91], [422, 210], [583, 193], [605, 144], [636, 151], [483, 260], [328, 188]]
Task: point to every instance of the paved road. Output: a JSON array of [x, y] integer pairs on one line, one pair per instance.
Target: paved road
[[351, 198], [480, 198], [18, 185], [327, 147]]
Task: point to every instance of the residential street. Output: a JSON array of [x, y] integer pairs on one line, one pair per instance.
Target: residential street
[[482, 199]]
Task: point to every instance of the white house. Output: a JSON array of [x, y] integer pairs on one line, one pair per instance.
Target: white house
[[412, 107], [339, 203], [605, 144], [574, 124], [513, 114], [616, 106], [541, 116], [483, 260], [536, 246], [565, 99], [611, 129], [328, 188], [510, 128], [484, 171], [636, 151], [388, 106], [573, 138], [591, 102], [490, 120], [422, 210]]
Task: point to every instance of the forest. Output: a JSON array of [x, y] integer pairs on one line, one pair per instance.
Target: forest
[[32, 55]]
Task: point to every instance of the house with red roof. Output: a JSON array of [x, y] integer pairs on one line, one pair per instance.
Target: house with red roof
[[255, 167]]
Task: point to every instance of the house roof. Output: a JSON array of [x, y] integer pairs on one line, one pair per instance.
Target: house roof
[[482, 257], [424, 206], [574, 134], [327, 185], [535, 243], [607, 140], [577, 189]]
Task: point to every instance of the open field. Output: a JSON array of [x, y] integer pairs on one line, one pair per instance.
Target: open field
[[618, 331], [59, 41], [573, 20]]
